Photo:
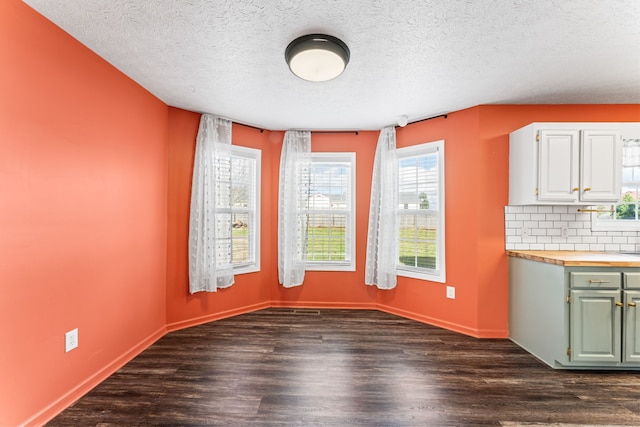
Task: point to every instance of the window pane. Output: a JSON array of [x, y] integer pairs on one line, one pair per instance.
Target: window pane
[[420, 217], [418, 182], [418, 235], [240, 238], [326, 237], [237, 238], [329, 209], [627, 211], [223, 172], [223, 238]]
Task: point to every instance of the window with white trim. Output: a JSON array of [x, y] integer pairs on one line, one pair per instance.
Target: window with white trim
[[245, 209], [421, 211], [331, 212], [625, 215]]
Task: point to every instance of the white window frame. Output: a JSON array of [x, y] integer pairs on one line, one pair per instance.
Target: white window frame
[[598, 224], [438, 274], [254, 214], [350, 232]]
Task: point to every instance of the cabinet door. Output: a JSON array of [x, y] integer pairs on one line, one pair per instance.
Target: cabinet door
[[631, 327], [558, 165], [594, 329], [601, 172]]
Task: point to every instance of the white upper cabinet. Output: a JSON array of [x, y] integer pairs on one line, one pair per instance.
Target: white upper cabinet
[[558, 165], [565, 163], [601, 162]]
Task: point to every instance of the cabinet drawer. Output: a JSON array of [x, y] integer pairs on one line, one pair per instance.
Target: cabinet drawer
[[632, 280], [596, 280]]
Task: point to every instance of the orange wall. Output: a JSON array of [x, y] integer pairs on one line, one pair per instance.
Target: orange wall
[[426, 301], [476, 174], [83, 184], [94, 197], [327, 288], [250, 291]]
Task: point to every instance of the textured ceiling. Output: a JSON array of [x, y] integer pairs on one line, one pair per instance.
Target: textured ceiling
[[408, 57]]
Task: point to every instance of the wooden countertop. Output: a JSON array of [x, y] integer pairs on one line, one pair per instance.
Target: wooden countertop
[[580, 258]]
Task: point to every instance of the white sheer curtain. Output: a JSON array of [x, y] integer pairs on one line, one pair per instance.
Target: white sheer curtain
[[292, 203], [382, 241], [631, 153], [210, 265]]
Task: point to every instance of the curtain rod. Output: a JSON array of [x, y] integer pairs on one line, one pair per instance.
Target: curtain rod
[[312, 131], [444, 116]]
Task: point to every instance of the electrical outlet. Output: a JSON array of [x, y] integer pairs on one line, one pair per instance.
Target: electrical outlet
[[451, 292], [564, 231], [71, 340], [525, 232]]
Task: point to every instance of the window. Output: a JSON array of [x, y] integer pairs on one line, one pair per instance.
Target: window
[[330, 212], [421, 211], [625, 215], [244, 213]]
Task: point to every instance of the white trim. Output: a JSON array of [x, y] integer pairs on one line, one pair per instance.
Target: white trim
[[424, 273], [613, 225], [254, 236], [350, 235]]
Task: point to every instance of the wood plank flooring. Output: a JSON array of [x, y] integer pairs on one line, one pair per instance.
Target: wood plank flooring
[[285, 367]]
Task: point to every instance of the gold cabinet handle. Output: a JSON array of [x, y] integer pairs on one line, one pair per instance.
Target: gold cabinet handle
[[599, 281], [632, 304], [576, 189], [619, 304], [587, 189]]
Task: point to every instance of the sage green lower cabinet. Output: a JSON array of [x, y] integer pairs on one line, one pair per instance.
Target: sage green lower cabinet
[[632, 327], [594, 326], [576, 317]]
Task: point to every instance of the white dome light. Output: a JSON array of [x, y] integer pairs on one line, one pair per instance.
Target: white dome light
[[317, 57]]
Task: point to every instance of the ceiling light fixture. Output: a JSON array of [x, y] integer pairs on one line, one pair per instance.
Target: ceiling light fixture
[[317, 57]]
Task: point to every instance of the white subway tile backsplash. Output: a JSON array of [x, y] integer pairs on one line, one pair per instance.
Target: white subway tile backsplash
[[561, 228]]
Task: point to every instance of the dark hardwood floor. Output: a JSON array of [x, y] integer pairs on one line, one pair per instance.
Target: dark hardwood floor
[[285, 367]]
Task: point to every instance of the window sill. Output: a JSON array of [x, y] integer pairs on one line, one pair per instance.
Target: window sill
[[414, 274], [330, 267]]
